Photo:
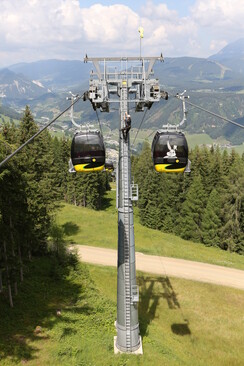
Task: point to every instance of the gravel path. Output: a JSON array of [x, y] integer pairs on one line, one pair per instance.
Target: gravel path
[[181, 268]]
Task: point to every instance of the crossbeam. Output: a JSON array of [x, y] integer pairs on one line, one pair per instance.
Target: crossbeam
[[116, 59]]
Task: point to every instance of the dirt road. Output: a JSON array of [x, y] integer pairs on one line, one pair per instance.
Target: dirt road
[[196, 271]]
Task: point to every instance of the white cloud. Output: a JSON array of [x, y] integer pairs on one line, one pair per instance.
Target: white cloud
[[158, 11], [62, 27], [41, 29], [221, 20], [108, 23], [29, 23], [219, 13]]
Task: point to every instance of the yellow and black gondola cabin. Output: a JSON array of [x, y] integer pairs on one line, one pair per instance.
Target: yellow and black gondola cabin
[[170, 152], [88, 152]]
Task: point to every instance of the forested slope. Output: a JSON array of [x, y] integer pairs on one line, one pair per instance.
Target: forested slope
[[206, 206], [31, 186]]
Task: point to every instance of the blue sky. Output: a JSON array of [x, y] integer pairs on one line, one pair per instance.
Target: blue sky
[[32, 30]]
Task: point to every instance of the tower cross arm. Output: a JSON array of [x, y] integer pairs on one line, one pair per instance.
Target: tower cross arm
[[133, 58], [152, 61]]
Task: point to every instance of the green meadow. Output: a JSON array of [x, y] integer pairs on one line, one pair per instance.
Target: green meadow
[[66, 318], [64, 313], [99, 229]]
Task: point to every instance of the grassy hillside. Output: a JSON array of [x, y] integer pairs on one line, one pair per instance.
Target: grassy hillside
[[99, 228], [181, 322]]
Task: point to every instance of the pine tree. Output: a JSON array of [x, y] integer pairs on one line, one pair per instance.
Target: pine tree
[[211, 222], [141, 165], [192, 210], [61, 156], [225, 163], [216, 170], [149, 186], [37, 163], [173, 195], [201, 165], [150, 206], [232, 238], [12, 200]]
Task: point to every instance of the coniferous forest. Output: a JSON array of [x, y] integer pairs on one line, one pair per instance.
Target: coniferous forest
[[32, 185], [204, 206]]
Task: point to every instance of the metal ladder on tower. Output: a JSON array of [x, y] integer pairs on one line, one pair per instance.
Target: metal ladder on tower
[[126, 233], [127, 275], [127, 283]]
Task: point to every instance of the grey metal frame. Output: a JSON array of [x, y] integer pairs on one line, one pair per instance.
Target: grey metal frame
[[126, 84]]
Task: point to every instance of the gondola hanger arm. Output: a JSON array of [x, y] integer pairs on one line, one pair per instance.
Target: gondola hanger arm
[[73, 97], [211, 113], [183, 97]]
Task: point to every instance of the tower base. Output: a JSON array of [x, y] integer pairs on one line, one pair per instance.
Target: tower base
[[139, 351]]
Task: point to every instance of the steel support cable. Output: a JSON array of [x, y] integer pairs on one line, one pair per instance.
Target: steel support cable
[[100, 126], [38, 133], [215, 114], [149, 135], [207, 111], [139, 127]]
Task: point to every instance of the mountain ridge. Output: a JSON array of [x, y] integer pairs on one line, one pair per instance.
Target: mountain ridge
[[17, 86], [219, 71], [232, 56], [215, 83], [54, 73]]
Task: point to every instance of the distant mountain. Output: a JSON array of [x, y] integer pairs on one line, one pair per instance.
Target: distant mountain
[[205, 80], [55, 74], [198, 74], [18, 87], [9, 112], [183, 72], [231, 56]]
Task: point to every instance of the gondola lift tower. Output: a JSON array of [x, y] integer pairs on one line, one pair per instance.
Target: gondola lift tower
[[126, 81]]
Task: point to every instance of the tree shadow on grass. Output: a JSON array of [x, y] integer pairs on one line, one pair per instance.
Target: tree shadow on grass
[[46, 298], [151, 291], [70, 228], [181, 329], [106, 203]]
